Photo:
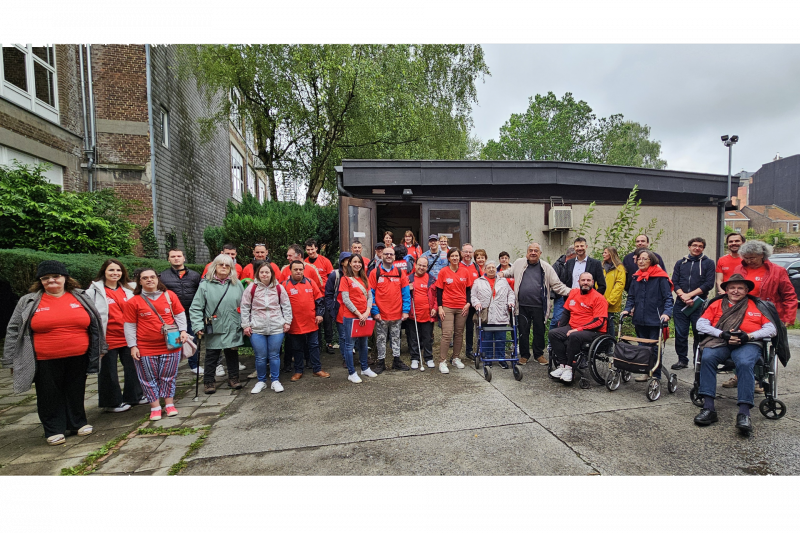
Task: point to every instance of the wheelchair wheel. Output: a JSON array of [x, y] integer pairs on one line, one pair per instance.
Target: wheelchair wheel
[[672, 383], [551, 361], [613, 380], [517, 373], [626, 376], [696, 398], [487, 373], [478, 360], [600, 362], [772, 409], [654, 390], [583, 383]]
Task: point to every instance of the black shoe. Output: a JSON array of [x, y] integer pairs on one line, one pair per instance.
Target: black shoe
[[503, 365], [679, 366], [706, 417], [470, 355], [743, 424], [397, 364], [380, 366], [329, 348]]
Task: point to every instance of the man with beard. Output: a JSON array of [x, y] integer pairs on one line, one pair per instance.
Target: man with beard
[[586, 312], [728, 263]]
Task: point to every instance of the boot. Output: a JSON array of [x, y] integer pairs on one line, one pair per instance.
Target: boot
[[380, 366]]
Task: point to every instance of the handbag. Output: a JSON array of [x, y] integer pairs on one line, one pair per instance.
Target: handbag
[[633, 358], [208, 322], [172, 335]]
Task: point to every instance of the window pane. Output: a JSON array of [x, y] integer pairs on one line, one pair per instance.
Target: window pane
[[14, 67], [44, 84], [45, 53], [359, 219], [236, 173], [447, 221]]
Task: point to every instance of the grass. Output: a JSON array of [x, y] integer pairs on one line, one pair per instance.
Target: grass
[[26, 399], [170, 431], [196, 445]]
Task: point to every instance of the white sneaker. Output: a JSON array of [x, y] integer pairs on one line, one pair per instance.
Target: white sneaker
[[253, 374], [118, 409], [567, 375], [220, 371], [458, 363], [198, 370], [558, 371], [415, 364], [430, 363], [443, 368], [354, 378], [241, 366], [276, 386], [259, 387], [369, 373]]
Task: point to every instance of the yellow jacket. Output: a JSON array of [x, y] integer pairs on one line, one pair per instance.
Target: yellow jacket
[[615, 285]]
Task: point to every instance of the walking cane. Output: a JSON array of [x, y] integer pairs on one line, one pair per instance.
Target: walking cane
[[197, 373], [419, 346]]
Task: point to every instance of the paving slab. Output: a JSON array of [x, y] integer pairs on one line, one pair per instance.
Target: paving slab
[[168, 453], [136, 452]]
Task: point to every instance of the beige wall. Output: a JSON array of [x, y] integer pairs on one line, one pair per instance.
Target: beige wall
[[497, 226]]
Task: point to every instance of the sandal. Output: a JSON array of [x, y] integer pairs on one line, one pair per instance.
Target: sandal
[[85, 430], [55, 440]]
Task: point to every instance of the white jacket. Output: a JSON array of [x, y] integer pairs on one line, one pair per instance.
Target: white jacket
[[267, 310], [503, 297], [97, 292]]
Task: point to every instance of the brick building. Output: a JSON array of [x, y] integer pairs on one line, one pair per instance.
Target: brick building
[[139, 130], [768, 217]]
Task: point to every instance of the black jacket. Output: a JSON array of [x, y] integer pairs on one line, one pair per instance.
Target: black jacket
[[693, 272], [593, 267], [184, 287], [332, 292]]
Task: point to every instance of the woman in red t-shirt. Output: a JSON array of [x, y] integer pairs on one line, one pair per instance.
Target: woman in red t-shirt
[[109, 291], [355, 304], [156, 365], [412, 246], [55, 338], [452, 295]]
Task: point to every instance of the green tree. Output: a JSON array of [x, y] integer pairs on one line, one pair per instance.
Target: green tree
[[630, 145], [311, 105]]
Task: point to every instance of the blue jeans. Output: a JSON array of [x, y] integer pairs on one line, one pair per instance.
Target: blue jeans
[[267, 346], [360, 344], [340, 331], [558, 308], [682, 324], [493, 343], [744, 357], [194, 360]]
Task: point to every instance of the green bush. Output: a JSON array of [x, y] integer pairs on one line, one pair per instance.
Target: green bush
[[279, 224], [37, 214], [18, 266]]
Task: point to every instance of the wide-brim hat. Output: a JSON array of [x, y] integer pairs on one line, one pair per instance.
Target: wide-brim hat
[[738, 278]]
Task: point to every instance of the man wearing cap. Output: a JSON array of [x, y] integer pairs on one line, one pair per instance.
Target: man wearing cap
[[435, 260], [731, 321]]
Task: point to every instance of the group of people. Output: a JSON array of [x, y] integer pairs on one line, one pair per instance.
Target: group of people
[[59, 333]]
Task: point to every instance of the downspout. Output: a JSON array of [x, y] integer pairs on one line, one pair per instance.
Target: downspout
[[339, 186], [148, 66], [92, 124], [86, 150]]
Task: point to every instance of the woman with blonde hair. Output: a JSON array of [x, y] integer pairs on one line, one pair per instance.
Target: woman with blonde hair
[[615, 283]]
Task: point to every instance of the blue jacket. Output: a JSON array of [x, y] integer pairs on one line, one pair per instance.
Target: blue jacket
[[694, 271], [649, 300], [332, 293], [437, 262]]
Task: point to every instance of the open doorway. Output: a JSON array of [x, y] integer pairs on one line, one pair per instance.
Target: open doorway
[[399, 218]]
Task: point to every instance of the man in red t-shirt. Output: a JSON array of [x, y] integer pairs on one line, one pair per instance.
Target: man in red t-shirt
[[230, 250], [391, 303], [586, 312], [728, 263], [295, 253], [323, 267], [260, 254], [420, 327], [308, 308]]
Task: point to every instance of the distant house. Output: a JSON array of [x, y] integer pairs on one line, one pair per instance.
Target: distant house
[[766, 217], [737, 220]]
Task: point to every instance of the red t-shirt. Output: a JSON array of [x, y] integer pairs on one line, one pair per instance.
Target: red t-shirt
[[586, 309], [322, 265], [238, 271], [115, 332], [757, 276], [388, 291], [356, 296], [59, 327], [454, 285], [247, 272], [474, 269], [509, 280], [422, 307], [149, 338], [414, 251], [753, 319], [308, 271], [726, 265], [303, 296]]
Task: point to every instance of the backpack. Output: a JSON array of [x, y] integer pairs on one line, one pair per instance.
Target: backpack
[[279, 288]]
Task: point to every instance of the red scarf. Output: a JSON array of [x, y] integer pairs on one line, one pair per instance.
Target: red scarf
[[653, 271]]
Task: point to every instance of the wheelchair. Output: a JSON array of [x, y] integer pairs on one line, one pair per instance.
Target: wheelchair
[[594, 356], [766, 374]]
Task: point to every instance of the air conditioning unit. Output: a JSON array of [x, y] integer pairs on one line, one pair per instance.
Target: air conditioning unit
[[560, 217]]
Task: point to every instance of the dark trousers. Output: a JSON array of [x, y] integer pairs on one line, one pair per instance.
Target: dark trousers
[[326, 328], [212, 360], [650, 332], [108, 379], [194, 360], [300, 344], [470, 330], [60, 386], [425, 330], [531, 317], [566, 348], [682, 325]]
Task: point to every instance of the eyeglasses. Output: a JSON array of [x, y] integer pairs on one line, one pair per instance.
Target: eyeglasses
[[45, 279]]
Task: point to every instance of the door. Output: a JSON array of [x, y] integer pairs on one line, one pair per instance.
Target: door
[[451, 219], [357, 221]]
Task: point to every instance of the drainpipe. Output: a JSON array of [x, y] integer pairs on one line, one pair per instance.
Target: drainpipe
[[148, 67], [339, 186], [92, 126], [83, 107]]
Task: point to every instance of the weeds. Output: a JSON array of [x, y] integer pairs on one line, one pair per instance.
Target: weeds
[[196, 445], [183, 431]]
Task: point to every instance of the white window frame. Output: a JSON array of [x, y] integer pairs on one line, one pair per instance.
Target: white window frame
[[235, 117], [237, 173], [164, 128], [27, 99], [262, 191], [795, 227], [54, 175], [251, 182]]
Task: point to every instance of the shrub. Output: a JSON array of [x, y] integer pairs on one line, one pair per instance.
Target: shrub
[[37, 214], [147, 236]]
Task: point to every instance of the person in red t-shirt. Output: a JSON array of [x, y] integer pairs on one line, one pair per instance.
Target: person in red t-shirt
[[453, 288], [586, 312], [412, 246], [323, 267], [391, 303], [156, 364], [109, 291], [295, 253], [260, 254], [308, 308], [355, 304], [423, 309], [230, 250], [730, 322], [728, 263]]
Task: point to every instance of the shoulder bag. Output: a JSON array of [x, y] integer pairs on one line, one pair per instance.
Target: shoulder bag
[[172, 335]]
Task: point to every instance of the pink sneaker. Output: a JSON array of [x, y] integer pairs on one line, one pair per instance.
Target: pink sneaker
[[171, 411], [155, 414]]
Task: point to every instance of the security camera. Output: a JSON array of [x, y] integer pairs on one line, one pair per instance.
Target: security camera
[[735, 138], [724, 138]]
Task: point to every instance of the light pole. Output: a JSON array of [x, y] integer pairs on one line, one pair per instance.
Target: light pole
[[729, 142]]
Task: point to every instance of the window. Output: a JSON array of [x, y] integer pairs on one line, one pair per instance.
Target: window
[[237, 173], [164, 128], [262, 191], [251, 181], [236, 118], [795, 227], [55, 174], [29, 78]]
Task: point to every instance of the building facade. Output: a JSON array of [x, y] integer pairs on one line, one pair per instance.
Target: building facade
[[777, 183], [764, 218]]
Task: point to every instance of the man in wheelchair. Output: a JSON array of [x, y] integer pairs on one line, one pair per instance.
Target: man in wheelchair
[[732, 322], [586, 313]]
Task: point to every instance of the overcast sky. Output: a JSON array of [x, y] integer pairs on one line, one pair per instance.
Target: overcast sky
[[689, 95]]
